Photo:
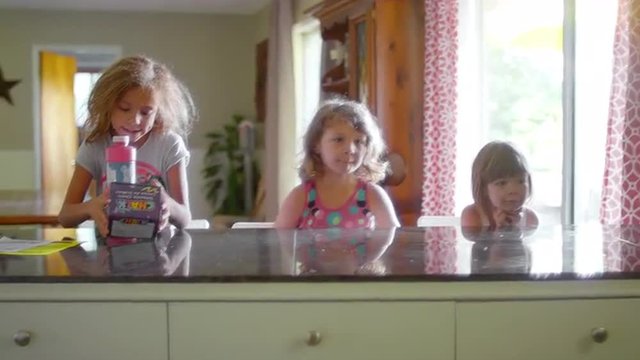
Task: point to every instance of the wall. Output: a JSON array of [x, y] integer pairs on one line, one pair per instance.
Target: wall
[[262, 20], [212, 54]]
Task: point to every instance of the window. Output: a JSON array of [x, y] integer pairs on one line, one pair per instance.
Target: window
[[595, 26], [512, 65], [307, 51], [83, 83]]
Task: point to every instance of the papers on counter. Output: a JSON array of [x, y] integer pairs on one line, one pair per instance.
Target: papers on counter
[[10, 246]]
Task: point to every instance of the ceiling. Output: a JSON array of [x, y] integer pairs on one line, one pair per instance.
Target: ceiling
[[188, 6]]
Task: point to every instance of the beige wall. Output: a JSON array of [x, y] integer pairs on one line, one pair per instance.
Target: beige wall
[[262, 23], [212, 54]]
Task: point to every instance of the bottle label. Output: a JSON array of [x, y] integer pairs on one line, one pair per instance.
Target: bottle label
[[122, 172]]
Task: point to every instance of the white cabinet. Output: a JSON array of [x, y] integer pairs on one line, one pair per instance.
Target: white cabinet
[[71, 330], [312, 330], [547, 329], [368, 321]]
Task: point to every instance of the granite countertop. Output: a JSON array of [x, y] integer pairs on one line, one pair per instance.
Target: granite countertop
[[435, 254]]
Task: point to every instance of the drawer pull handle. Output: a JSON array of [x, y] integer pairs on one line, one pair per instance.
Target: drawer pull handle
[[314, 338], [22, 338], [599, 334]]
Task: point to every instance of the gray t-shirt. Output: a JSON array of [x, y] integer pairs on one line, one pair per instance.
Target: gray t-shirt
[[154, 158]]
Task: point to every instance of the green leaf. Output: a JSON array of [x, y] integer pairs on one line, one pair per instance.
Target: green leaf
[[223, 155]]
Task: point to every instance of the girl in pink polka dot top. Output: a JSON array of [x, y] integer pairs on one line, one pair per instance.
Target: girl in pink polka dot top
[[341, 165]]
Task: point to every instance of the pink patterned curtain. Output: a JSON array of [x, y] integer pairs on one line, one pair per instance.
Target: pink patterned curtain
[[439, 148], [440, 72], [621, 188]]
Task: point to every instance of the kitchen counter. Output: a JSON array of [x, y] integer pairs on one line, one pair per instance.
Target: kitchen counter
[[443, 293], [403, 254]]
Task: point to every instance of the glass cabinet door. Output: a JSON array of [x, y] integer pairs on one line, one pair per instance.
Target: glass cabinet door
[[361, 59]]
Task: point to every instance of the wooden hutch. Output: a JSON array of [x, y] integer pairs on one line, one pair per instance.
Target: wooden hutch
[[374, 53]]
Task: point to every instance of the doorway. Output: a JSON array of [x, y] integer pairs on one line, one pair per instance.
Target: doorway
[[58, 66]]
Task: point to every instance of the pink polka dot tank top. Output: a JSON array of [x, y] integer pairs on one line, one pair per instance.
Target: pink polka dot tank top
[[354, 213]]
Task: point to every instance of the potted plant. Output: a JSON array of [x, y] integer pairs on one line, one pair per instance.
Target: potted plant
[[225, 170]]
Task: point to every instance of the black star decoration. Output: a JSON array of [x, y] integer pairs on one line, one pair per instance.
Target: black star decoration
[[5, 86]]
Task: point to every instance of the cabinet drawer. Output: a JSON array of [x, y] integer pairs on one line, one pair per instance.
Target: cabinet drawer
[[328, 330], [548, 329], [84, 331]]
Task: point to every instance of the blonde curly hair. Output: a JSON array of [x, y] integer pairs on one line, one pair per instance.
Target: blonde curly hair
[[373, 168]]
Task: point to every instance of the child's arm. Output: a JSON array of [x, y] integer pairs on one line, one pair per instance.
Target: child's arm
[[74, 210], [472, 226], [175, 200], [532, 218], [470, 217], [515, 218], [291, 209], [382, 208], [379, 244]]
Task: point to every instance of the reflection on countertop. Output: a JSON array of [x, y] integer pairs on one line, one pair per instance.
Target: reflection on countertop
[[589, 251]]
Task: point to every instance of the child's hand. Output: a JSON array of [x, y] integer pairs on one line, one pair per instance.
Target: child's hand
[[164, 205], [507, 218], [96, 208], [164, 212]]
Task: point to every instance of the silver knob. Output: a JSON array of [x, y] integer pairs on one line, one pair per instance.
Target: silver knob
[[599, 334], [314, 338], [22, 338]]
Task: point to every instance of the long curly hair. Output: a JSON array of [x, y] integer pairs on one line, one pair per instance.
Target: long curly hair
[[176, 110], [496, 160], [373, 168]]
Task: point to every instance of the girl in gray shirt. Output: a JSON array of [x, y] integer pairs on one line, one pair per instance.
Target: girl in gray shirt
[[140, 98]]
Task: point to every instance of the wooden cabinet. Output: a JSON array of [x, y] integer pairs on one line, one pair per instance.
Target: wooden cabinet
[[83, 331], [374, 53], [332, 330], [568, 329], [348, 64]]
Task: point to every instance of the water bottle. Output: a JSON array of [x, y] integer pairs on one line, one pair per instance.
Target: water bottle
[[121, 161]]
